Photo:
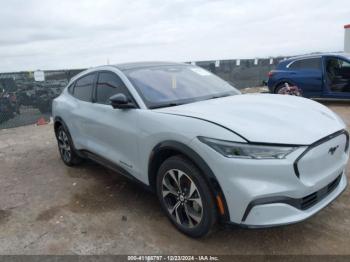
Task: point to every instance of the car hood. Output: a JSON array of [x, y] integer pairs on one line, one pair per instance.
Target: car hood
[[266, 118]]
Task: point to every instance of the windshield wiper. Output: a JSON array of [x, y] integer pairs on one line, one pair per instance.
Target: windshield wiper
[[177, 104], [165, 105]]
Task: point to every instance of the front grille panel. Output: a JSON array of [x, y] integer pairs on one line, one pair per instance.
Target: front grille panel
[[309, 201], [326, 157], [314, 198], [299, 203], [333, 185]]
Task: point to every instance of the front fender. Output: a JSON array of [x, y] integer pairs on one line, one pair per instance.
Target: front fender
[[208, 175]]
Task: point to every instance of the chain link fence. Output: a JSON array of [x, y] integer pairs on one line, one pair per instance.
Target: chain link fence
[[242, 73], [25, 99]]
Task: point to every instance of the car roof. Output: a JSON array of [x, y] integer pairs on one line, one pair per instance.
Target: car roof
[[125, 67], [340, 54], [138, 65]]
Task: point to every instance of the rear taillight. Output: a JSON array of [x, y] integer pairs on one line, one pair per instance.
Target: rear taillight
[[270, 74]]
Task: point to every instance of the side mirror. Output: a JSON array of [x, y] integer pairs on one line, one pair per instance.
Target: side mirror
[[121, 101]]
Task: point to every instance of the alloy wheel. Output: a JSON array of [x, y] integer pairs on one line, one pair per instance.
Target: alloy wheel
[[64, 146], [182, 198]]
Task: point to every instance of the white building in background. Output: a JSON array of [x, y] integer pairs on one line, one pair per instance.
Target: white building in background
[[347, 38]]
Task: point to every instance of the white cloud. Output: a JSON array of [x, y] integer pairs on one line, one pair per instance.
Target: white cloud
[[70, 34]]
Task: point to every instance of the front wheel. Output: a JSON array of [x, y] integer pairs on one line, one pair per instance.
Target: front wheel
[[185, 197]]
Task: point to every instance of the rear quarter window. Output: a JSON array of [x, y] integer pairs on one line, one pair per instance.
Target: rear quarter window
[[310, 63], [71, 88]]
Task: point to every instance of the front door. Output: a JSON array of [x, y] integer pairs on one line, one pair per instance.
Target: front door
[[337, 77], [114, 130]]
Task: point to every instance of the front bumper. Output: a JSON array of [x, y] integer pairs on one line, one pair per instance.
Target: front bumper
[[264, 193], [279, 213]]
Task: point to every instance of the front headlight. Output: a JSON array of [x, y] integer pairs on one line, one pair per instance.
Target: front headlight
[[251, 151]]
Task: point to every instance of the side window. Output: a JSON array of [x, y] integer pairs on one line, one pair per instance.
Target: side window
[[109, 84], [311, 63], [344, 64], [83, 87]]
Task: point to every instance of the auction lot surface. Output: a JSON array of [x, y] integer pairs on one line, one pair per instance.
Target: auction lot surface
[[48, 208]]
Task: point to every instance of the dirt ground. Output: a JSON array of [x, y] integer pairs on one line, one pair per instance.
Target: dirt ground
[[49, 208]]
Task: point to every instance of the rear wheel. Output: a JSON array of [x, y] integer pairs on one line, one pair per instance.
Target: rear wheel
[[286, 88], [280, 89], [65, 147], [185, 197]]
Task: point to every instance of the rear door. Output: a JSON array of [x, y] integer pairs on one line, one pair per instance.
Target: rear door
[[114, 131], [307, 75], [80, 110]]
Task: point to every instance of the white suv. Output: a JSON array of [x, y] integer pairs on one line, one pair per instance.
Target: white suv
[[208, 152]]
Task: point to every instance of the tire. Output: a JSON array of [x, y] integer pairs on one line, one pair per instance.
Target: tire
[[66, 148], [193, 213], [280, 86], [281, 89]]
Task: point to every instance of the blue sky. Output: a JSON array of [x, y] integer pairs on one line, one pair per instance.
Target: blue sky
[[57, 34]]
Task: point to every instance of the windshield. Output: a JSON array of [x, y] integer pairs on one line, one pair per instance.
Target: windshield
[[171, 85]]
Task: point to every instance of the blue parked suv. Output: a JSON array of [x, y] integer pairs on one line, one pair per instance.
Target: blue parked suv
[[316, 76]]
